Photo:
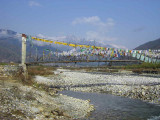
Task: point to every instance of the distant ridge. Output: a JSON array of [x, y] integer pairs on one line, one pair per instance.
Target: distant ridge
[[155, 44], [10, 46]]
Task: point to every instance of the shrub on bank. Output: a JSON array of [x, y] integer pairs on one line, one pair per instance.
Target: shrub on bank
[[144, 66]]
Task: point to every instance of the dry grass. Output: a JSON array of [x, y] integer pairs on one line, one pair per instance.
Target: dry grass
[[40, 70], [150, 71], [33, 71], [95, 69]]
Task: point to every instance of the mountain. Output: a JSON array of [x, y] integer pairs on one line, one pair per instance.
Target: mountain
[[4, 32], [83, 41], [150, 45], [9, 46]]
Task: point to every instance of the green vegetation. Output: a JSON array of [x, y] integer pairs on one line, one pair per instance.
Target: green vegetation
[[4, 63], [11, 63], [94, 69], [144, 66], [136, 68]]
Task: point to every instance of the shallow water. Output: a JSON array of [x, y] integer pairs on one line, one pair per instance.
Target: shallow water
[[110, 107]]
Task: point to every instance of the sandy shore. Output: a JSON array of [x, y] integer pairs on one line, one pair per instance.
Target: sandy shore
[[146, 88]]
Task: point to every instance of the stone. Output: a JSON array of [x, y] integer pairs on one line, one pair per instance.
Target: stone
[[53, 116], [144, 87], [41, 109], [54, 112], [143, 93], [133, 91], [46, 114], [120, 91], [52, 92], [35, 110]]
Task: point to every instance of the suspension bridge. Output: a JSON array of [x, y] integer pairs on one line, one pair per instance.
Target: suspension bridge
[[80, 53]]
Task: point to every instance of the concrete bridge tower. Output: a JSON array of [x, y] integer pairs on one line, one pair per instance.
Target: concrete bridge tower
[[23, 61]]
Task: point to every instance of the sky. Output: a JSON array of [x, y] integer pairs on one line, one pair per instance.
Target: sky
[[127, 23]]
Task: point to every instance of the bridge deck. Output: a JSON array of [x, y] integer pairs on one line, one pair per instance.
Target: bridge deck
[[79, 61]]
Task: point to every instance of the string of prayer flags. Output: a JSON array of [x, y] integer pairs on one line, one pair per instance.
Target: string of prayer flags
[[146, 59], [134, 55], [43, 40], [149, 60], [142, 58], [138, 56], [143, 55]]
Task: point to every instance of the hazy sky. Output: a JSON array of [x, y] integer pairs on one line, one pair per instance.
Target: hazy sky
[[123, 22]]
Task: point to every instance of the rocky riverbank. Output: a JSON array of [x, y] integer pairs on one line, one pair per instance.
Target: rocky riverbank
[[41, 100], [26, 102], [146, 88], [38, 102]]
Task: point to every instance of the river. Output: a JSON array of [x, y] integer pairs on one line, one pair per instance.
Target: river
[[110, 107]]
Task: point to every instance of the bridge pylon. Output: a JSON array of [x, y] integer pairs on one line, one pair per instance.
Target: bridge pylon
[[23, 61]]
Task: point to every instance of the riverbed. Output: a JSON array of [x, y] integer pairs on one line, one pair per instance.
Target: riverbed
[[115, 96], [143, 87], [117, 108]]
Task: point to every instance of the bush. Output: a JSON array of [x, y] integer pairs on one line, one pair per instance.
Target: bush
[[144, 65]]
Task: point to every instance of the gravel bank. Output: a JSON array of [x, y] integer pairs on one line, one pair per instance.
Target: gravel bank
[[27, 102], [140, 87], [71, 107]]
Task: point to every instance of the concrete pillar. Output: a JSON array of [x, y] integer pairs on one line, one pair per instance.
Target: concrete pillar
[[24, 38], [24, 49]]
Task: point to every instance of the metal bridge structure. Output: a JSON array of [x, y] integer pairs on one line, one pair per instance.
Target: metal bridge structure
[[81, 53]]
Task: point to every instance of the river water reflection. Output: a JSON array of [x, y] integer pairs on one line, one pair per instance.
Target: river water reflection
[[110, 107]]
